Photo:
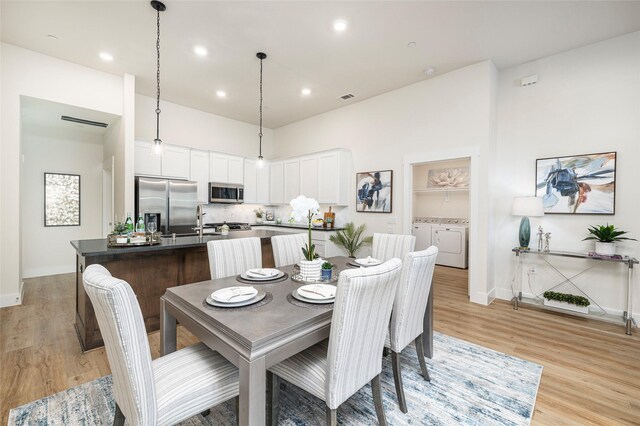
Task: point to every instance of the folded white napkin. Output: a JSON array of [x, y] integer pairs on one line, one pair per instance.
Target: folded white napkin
[[262, 272], [234, 294], [318, 291]]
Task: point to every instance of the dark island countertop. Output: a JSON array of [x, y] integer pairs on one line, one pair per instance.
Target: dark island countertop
[[99, 247], [296, 226]]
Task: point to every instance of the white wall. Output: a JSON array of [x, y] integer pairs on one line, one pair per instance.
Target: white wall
[[46, 250], [28, 73], [451, 111], [586, 100], [180, 125], [439, 204]]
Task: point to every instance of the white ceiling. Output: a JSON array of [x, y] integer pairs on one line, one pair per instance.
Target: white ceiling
[[371, 57]]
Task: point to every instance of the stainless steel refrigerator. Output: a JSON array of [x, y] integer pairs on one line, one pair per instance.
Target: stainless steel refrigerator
[[170, 203]]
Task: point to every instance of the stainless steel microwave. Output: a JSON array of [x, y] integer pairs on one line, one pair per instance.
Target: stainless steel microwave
[[226, 193]]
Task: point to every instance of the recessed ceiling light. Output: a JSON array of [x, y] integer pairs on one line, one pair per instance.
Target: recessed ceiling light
[[411, 44], [340, 25], [306, 91], [200, 51], [429, 71], [52, 37], [221, 93], [106, 56]]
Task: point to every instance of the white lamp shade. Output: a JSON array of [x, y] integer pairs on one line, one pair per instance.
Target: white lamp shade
[[527, 206]]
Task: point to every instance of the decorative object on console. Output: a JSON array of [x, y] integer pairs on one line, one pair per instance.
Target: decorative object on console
[[577, 184], [157, 142], [540, 235], [566, 301], [305, 208], [547, 237], [525, 207], [374, 191], [351, 238], [261, 56], [451, 178], [606, 237], [61, 199]]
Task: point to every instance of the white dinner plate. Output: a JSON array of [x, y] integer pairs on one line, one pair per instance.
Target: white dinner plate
[[256, 277], [255, 299], [234, 294], [301, 298], [265, 273], [368, 261], [317, 291]]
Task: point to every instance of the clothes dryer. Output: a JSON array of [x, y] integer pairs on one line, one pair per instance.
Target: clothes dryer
[[452, 239]]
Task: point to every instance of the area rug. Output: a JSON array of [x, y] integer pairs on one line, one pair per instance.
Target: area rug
[[470, 385]]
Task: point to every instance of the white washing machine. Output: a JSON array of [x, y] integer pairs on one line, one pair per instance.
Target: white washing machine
[[452, 239], [422, 228]]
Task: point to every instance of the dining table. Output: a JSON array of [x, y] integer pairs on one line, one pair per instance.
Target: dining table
[[258, 336]]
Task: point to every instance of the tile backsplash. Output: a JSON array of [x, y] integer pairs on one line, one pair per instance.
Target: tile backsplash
[[244, 212]]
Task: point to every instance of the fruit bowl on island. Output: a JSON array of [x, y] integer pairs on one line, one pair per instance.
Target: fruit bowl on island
[[317, 223]]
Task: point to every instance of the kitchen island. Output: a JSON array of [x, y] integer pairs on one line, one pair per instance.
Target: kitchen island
[[150, 270]]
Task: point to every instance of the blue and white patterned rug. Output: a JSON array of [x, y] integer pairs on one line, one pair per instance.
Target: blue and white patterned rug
[[470, 385]]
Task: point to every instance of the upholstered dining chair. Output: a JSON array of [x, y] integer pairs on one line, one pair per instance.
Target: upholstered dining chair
[[233, 257], [164, 391], [336, 368], [388, 246], [287, 249], [407, 316]]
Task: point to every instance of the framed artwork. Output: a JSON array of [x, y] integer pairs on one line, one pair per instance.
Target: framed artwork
[[374, 191], [451, 178], [577, 184], [61, 199]]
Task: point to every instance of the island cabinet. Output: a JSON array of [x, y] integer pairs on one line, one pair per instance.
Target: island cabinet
[[150, 270]]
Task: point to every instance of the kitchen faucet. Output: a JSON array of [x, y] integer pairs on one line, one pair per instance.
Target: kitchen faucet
[[199, 214]]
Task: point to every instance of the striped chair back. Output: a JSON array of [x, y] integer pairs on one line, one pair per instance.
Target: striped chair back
[[412, 296], [388, 246], [361, 314], [287, 249], [125, 339], [233, 257]]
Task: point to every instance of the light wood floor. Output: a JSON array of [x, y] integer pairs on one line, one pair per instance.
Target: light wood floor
[[591, 369]]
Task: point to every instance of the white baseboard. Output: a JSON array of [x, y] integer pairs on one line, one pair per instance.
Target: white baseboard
[[10, 300], [48, 270]]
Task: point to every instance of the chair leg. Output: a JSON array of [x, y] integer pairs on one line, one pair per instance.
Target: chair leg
[[397, 378], [273, 398], [423, 363], [377, 400], [205, 413], [236, 400], [385, 351], [332, 417], [118, 420]]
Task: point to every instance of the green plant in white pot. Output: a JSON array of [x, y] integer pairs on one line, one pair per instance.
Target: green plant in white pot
[[311, 264], [606, 237]]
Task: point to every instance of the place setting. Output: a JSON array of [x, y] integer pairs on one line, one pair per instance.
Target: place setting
[[313, 294], [262, 276], [364, 262], [236, 297]]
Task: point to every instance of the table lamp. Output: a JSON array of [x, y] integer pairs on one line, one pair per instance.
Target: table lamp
[[525, 207]]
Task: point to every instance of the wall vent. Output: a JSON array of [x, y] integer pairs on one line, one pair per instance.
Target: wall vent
[[347, 96], [82, 121]]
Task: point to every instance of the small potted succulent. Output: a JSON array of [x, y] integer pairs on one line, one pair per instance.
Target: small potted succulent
[[119, 234], [606, 237], [327, 268]]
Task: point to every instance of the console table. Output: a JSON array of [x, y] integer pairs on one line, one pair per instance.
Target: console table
[[627, 317]]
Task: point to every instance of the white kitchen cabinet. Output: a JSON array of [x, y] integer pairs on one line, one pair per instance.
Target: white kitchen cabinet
[[146, 161], [334, 172], [276, 183], [262, 185], [309, 176], [175, 161], [226, 168], [324, 246], [291, 179], [199, 172], [250, 182]]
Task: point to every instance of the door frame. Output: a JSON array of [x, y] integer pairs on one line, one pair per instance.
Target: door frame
[[108, 183]]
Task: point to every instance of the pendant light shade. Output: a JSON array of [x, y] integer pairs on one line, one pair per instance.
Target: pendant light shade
[[260, 163], [158, 6]]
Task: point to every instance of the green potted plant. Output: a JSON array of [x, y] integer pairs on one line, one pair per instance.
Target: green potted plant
[[119, 234], [566, 301], [304, 208], [351, 238], [606, 237], [327, 268]]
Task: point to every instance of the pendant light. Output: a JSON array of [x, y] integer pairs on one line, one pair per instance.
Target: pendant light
[[260, 163], [157, 142]]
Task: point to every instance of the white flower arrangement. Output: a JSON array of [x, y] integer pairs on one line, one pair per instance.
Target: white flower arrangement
[[305, 208], [259, 213]]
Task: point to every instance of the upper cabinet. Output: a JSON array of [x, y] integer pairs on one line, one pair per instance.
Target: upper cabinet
[[200, 173], [174, 161], [226, 168], [276, 185], [291, 179], [309, 176], [263, 187], [147, 162], [256, 182], [334, 173]]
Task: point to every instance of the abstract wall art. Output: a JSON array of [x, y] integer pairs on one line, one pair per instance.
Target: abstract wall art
[[61, 199], [374, 191]]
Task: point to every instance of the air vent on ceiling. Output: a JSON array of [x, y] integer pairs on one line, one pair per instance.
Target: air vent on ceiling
[[347, 96], [82, 121]]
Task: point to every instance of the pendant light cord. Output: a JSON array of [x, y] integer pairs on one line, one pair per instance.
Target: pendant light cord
[[260, 134], [158, 81]]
